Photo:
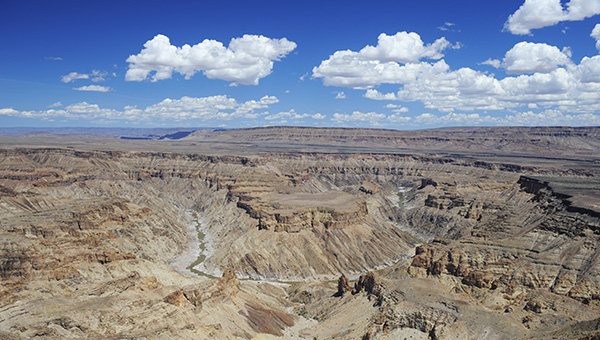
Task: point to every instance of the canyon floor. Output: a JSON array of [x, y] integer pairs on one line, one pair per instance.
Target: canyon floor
[[301, 233]]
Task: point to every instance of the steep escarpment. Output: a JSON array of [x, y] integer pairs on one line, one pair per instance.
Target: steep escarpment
[[581, 140], [536, 242]]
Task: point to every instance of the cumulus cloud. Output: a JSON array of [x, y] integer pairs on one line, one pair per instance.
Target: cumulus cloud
[[403, 47], [340, 95], [542, 13], [74, 76], [245, 61], [397, 108], [95, 76], [596, 35], [528, 118], [374, 65], [286, 115], [376, 95], [588, 70], [543, 74], [398, 118], [98, 75], [448, 26], [440, 88], [318, 116], [204, 108], [492, 62], [357, 116], [93, 88], [57, 104], [467, 90], [526, 57]]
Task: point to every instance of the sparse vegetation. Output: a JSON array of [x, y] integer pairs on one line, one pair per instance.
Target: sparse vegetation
[[303, 313], [401, 199], [413, 237]]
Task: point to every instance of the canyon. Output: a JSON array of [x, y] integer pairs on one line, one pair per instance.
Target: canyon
[[302, 233]]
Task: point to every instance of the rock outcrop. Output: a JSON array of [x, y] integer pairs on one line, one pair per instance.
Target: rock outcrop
[[539, 243], [343, 286]]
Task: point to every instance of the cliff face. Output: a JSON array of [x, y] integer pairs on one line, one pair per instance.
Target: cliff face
[[513, 140], [540, 242]]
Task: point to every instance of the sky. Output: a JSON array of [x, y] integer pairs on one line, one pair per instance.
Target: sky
[[236, 64]]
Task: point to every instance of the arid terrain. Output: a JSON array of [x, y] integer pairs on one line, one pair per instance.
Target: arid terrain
[[301, 233]]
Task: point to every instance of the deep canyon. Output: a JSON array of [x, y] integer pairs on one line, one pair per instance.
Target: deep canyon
[[463, 233]]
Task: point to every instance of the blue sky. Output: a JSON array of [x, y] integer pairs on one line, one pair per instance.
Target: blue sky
[[382, 64]]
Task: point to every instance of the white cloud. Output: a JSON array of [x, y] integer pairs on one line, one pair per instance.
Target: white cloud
[[203, 108], [370, 117], [93, 88], [10, 112], [252, 105], [550, 117], [445, 90], [95, 76], [596, 35], [397, 108], [545, 75], [397, 118], [526, 57], [448, 119], [57, 104], [54, 58], [98, 75], [542, 13], [340, 95], [245, 61], [403, 47], [557, 82], [492, 62], [74, 76], [448, 26], [318, 116], [291, 114], [588, 70], [374, 65], [376, 95], [401, 110], [528, 118], [214, 107]]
